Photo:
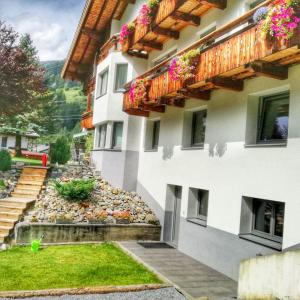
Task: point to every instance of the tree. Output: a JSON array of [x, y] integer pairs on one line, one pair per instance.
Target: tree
[[21, 77]]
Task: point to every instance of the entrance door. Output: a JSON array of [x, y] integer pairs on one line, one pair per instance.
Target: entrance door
[[172, 214]]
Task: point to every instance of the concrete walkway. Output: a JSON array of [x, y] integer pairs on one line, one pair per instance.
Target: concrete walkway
[[194, 279]]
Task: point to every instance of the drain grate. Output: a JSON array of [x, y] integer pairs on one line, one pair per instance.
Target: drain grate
[[155, 245]]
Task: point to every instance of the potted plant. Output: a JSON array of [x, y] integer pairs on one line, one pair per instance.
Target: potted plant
[[98, 217], [126, 36], [64, 219], [122, 217], [138, 91], [147, 12]]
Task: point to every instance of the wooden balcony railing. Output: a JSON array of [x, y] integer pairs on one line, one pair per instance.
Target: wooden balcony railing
[[170, 17], [224, 64], [87, 120], [111, 44]]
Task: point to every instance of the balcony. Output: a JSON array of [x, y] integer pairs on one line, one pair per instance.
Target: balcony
[[87, 120], [111, 45], [224, 64], [170, 17]]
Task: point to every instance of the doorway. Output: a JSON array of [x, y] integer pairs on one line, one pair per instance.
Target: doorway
[[172, 214]]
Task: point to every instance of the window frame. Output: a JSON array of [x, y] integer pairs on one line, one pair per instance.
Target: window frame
[[6, 141], [120, 90], [270, 236], [198, 215], [261, 113], [113, 140], [193, 127], [100, 82], [99, 136], [155, 132]]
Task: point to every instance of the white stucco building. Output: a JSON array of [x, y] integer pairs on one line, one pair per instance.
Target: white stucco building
[[221, 173]]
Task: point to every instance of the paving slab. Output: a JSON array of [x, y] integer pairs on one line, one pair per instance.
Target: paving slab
[[193, 278]]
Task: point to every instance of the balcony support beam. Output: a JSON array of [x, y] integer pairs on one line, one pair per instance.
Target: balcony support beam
[[137, 112], [166, 32], [190, 93], [188, 18], [262, 68], [138, 54], [152, 45], [221, 4], [177, 102], [227, 83], [160, 108]]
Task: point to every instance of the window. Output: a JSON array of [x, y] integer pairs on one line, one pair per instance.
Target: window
[[268, 218], [166, 56], [152, 135], [117, 135], [198, 205], [102, 83], [274, 119], [4, 142], [121, 77], [198, 128], [255, 3], [101, 136], [155, 135]]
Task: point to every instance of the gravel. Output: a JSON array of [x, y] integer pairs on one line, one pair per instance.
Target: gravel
[[160, 294]]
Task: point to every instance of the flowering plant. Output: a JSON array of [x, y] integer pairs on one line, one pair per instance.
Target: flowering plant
[[138, 90], [146, 11], [182, 67], [124, 215], [280, 20], [126, 30]]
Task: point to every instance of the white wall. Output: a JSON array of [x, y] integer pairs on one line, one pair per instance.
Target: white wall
[[11, 142], [225, 167]]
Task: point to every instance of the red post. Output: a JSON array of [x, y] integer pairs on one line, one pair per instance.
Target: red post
[[44, 159]]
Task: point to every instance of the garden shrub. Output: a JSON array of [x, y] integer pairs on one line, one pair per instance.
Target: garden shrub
[[2, 184], [5, 160], [75, 190], [60, 151]]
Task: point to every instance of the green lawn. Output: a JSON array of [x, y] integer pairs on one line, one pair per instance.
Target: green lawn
[[33, 162], [69, 267]]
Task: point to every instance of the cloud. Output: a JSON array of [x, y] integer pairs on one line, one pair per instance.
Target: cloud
[[50, 25]]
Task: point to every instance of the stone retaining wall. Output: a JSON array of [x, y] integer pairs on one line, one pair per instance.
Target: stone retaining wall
[[72, 233]]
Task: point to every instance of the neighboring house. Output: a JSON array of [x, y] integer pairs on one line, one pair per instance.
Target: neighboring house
[[218, 158]]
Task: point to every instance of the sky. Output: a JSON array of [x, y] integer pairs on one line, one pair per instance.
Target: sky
[[50, 23]]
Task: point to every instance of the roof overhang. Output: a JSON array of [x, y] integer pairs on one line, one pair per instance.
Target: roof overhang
[[90, 35]]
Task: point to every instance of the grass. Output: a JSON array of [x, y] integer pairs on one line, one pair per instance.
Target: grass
[[33, 162], [2, 185], [69, 267]]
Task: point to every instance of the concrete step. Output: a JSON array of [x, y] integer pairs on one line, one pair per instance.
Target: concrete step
[[5, 208], [29, 187], [32, 183], [27, 191], [8, 222], [9, 214], [24, 196], [5, 230]]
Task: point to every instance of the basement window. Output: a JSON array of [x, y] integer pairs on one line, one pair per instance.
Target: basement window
[[262, 221], [101, 136], [117, 135], [198, 206]]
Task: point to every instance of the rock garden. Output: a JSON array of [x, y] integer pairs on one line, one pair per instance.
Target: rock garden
[[77, 194], [8, 180]]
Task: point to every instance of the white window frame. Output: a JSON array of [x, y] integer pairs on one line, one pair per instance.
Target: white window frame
[[119, 90], [100, 83]]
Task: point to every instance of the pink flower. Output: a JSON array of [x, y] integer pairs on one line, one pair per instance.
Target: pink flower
[[144, 15]]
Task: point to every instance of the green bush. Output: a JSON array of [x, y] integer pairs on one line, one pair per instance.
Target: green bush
[[5, 160], [2, 184], [75, 190], [60, 151]]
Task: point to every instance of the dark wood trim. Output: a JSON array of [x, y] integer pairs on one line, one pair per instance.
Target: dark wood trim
[[185, 17], [166, 32], [159, 108], [152, 45], [227, 83], [202, 95], [262, 68], [222, 4]]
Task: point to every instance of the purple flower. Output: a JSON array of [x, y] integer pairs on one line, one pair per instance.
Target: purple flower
[[260, 14]]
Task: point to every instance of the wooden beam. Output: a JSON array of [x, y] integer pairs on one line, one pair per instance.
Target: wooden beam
[[190, 93], [80, 68], [177, 102], [137, 112], [222, 4], [75, 76], [262, 68], [138, 54], [93, 34], [166, 32], [227, 83], [160, 108], [152, 45], [188, 18]]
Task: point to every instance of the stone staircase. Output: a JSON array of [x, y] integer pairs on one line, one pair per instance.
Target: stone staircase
[[25, 194]]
